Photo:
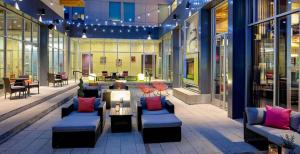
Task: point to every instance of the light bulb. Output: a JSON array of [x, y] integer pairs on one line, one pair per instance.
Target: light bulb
[[17, 5]]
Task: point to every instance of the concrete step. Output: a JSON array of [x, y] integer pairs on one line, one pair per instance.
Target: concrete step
[[9, 113], [14, 124]]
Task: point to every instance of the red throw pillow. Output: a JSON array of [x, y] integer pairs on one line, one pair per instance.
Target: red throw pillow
[[153, 103], [278, 117], [86, 104]]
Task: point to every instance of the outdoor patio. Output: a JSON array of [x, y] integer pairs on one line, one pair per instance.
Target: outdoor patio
[[206, 130]]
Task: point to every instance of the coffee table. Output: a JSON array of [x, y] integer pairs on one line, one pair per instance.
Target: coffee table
[[117, 95], [121, 121]]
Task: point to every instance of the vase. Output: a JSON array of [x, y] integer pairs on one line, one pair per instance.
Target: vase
[[287, 151]]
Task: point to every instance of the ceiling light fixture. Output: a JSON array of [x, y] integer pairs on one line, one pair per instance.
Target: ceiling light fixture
[[149, 36], [84, 34], [188, 5]]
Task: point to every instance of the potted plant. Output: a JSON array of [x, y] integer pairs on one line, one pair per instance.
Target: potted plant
[[288, 144], [80, 90]]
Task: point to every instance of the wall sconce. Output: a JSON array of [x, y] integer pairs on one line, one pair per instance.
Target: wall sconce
[[149, 36]]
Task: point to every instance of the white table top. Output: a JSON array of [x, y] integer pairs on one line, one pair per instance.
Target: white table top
[[117, 95]]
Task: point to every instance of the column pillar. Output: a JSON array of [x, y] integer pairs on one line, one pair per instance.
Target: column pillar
[[176, 58], [44, 55]]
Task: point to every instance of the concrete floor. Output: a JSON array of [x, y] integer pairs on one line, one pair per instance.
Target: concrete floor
[[206, 130]]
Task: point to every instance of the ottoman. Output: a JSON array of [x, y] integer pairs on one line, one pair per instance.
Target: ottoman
[[161, 128], [76, 131]]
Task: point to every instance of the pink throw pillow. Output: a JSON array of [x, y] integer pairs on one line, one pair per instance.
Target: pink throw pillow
[[278, 117], [153, 103], [86, 104]]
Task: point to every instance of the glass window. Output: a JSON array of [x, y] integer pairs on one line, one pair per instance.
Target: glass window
[[115, 11], [263, 63], [129, 12], [14, 25], [27, 59], [2, 22], [288, 61], [34, 62], [264, 9], [35, 33], [61, 41], [1, 62], [13, 58], [287, 5], [27, 30]]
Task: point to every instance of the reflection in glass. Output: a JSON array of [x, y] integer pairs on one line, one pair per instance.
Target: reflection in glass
[[27, 59], [287, 5], [1, 63], [263, 63], [14, 25], [27, 30], [191, 55], [13, 58], [264, 9], [288, 61]]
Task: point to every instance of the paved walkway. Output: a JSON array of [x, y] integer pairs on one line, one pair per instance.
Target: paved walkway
[[206, 130], [7, 105]]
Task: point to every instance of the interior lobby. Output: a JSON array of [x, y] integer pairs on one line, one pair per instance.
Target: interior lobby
[[149, 76]]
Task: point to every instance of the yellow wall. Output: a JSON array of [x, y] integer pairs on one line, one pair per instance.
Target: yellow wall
[[114, 49]]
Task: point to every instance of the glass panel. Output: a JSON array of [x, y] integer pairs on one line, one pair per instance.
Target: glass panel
[[264, 9], [263, 63], [137, 46], [2, 22], [51, 60], [34, 62], [97, 45], [55, 41], [50, 38], [129, 12], [13, 58], [191, 57], [111, 46], [288, 77], [221, 18], [27, 59], [124, 46], [287, 5], [61, 60], [55, 61], [35, 33], [14, 25], [115, 10], [1, 62], [61, 41], [27, 30]]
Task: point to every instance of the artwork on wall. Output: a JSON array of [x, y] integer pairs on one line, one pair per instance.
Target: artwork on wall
[[103, 60], [132, 59], [119, 62]]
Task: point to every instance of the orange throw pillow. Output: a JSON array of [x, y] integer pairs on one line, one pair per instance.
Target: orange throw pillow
[[28, 81], [86, 104], [153, 103]]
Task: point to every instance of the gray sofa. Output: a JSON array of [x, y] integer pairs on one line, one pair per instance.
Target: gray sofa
[[158, 126], [261, 136], [78, 129]]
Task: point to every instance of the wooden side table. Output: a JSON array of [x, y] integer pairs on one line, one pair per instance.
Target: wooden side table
[[121, 121]]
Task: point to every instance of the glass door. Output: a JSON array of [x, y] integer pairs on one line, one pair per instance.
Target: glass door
[[148, 63], [220, 70]]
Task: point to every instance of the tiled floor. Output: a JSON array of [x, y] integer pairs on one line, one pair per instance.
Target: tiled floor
[[206, 130]]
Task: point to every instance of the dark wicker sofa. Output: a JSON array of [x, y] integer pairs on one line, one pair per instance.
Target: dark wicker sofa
[[158, 126], [261, 136], [78, 129]]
